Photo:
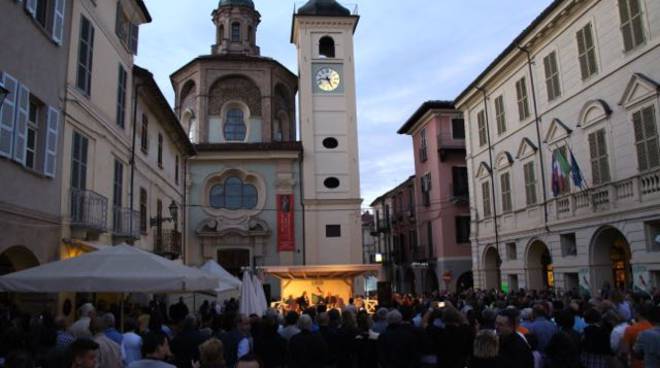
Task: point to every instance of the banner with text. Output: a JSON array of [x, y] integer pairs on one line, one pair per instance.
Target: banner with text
[[286, 235]]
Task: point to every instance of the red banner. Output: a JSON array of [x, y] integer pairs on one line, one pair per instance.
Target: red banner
[[286, 235]]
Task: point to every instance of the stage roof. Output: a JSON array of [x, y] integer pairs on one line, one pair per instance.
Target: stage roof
[[321, 272]]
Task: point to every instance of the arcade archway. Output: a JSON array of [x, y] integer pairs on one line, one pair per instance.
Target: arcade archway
[[492, 272], [16, 259], [540, 271], [464, 282], [610, 260]]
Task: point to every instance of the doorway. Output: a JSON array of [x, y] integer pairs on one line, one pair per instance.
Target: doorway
[[233, 260]]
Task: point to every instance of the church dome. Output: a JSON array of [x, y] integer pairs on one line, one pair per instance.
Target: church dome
[[247, 3], [323, 8]]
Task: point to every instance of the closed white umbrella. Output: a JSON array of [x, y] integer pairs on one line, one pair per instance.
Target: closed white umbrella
[[261, 302], [118, 269], [227, 280], [248, 302]]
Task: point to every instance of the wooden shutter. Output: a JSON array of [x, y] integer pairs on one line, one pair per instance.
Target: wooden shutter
[[31, 6], [593, 153], [7, 116], [602, 154], [639, 141], [58, 21], [20, 127], [485, 191], [651, 135], [52, 131], [582, 52], [134, 31]]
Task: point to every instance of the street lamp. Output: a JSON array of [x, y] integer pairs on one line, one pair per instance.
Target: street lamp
[[174, 216], [4, 92]]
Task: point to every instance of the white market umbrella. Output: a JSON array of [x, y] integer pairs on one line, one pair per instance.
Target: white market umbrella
[[248, 302], [227, 280], [262, 304], [118, 269]]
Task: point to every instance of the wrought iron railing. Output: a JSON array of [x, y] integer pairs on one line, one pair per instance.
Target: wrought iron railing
[[167, 241], [125, 222], [89, 210]]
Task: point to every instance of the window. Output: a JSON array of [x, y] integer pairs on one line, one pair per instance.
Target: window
[[121, 24], [144, 134], [159, 211], [327, 47], [600, 168], [587, 52], [233, 194], [121, 97], [481, 125], [653, 235], [426, 189], [41, 12], [632, 28], [235, 129], [333, 231], [235, 32], [460, 181], [565, 184], [160, 150], [31, 152], [458, 128], [530, 183], [79, 162], [429, 237], [552, 76], [85, 56], [423, 156], [505, 187], [118, 184], [500, 115], [485, 193], [523, 101], [330, 143], [462, 229], [511, 251], [176, 169], [646, 139], [331, 183], [568, 245], [143, 211]]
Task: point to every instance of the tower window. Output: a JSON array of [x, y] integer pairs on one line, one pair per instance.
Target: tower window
[[333, 231], [234, 194], [235, 32], [331, 183], [327, 47], [330, 143], [235, 128]]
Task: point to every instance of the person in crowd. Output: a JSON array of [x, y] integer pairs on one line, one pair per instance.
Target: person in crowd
[[452, 340], [533, 343], [398, 346], [179, 311], [563, 350], [82, 353], [109, 353], [211, 354], [622, 306], [380, 321], [647, 346], [290, 326], [307, 349], [185, 345], [541, 327], [155, 350], [488, 317], [269, 346], [514, 351], [64, 337], [80, 328], [346, 338], [630, 335], [526, 319], [366, 342], [237, 340], [596, 351], [485, 350], [613, 318], [249, 361], [110, 328], [131, 343]]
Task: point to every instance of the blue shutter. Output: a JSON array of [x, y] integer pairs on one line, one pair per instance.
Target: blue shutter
[[58, 21], [7, 116], [50, 161], [31, 6], [21, 123]]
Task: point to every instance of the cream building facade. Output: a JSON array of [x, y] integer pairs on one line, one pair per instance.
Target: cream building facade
[[582, 80]]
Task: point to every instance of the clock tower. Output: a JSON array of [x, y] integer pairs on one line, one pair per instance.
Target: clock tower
[[323, 34]]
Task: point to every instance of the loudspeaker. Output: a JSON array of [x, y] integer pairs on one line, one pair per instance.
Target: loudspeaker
[[384, 293]]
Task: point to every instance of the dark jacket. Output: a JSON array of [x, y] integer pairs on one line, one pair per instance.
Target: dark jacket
[[230, 341], [398, 347], [185, 347], [271, 348], [452, 344], [563, 350], [307, 350], [514, 352]]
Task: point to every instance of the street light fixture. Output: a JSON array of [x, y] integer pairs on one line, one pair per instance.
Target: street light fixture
[[174, 216], [4, 92]]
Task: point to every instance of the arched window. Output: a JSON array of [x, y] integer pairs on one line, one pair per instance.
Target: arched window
[[235, 128], [233, 194], [221, 34], [249, 34], [193, 131], [235, 32], [327, 47], [277, 130]]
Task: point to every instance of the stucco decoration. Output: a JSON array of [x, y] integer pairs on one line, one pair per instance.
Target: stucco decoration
[[218, 227], [246, 177], [503, 160], [557, 131], [593, 112], [234, 88], [526, 149], [640, 89], [483, 170]]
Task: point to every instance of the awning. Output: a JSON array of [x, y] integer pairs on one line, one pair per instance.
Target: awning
[[322, 272]]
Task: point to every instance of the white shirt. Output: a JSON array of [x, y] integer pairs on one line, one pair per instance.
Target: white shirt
[[617, 335], [80, 328], [131, 348]]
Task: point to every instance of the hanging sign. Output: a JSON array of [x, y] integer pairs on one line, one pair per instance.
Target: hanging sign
[[286, 236]]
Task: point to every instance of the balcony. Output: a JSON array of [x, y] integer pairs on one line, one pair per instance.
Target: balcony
[[383, 226], [125, 223], [89, 211], [167, 242], [447, 144]]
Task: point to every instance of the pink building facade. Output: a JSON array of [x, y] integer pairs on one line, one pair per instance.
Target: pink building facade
[[442, 255]]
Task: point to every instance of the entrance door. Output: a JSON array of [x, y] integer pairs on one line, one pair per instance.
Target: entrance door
[[610, 260], [233, 260], [540, 271], [493, 274]]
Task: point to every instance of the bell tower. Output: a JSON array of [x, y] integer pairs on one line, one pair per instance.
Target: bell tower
[[236, 23], [323, 34]]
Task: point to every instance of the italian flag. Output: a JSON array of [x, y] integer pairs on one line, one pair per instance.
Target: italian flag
[[560, 171]]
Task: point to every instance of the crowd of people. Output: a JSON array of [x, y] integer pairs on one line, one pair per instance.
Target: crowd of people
[[475, 329]]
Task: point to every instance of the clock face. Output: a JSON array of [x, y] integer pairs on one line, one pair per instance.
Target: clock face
[[327, 79]]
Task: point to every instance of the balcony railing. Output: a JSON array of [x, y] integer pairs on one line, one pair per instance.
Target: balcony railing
[[447, 141], [125, 222], [89, 210], [167, 242]]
